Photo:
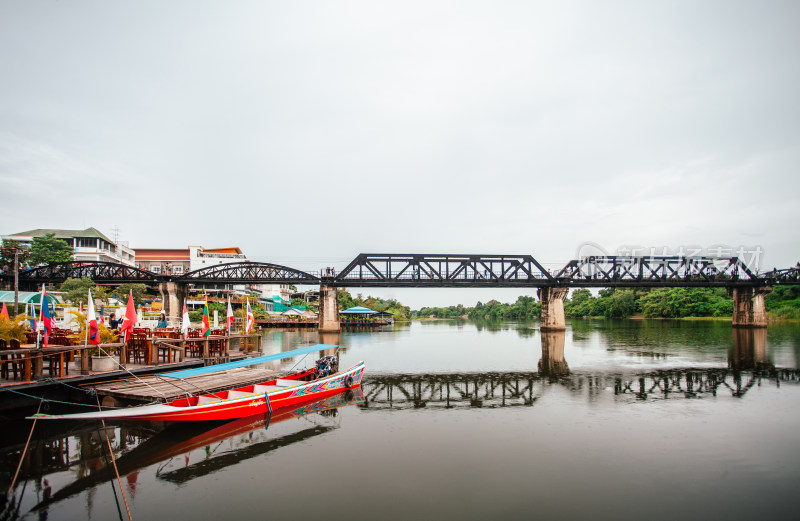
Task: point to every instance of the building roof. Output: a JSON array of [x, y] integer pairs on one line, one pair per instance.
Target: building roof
[[161, 254], [358, 310], [66, 234], [222, 250], [24, 297]]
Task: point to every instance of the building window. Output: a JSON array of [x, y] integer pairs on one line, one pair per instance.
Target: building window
[[177, 269], [155, 268], [84, 242]]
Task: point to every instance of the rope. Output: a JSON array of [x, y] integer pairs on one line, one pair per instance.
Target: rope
[[184, 380], [24, 450], [47, 400], [89, 391], [130, 373], [114, 462]]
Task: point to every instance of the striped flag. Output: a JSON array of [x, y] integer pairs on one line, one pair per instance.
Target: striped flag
[[31, 315], [91, 322], [250, 318], [206, 324], [229, 319]]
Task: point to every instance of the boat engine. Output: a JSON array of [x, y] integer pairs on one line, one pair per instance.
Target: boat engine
[[327, 365]]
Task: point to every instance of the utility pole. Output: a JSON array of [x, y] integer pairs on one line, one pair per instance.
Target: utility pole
[[13, 244]]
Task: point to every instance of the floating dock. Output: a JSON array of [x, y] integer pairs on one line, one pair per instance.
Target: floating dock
[[155, 387]]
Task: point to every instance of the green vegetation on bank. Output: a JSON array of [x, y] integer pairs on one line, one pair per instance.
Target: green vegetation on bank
[[782, 302], [398, 310]]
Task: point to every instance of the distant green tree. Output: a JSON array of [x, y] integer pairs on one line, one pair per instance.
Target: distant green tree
[[47, 249], [77, 290], [123, 290]]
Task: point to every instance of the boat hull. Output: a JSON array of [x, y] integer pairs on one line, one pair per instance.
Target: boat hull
[[228, 409]]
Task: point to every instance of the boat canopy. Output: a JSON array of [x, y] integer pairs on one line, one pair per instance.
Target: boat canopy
[[249, 361]]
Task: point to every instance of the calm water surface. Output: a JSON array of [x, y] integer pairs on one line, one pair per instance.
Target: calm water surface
[[456, 420]]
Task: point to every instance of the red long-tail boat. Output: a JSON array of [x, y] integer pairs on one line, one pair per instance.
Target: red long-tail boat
[[261, 398]]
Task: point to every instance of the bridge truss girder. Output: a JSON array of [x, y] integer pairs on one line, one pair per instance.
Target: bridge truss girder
[[608, 271], [412, 270], [442, 271], [99, 272], [247, 273]]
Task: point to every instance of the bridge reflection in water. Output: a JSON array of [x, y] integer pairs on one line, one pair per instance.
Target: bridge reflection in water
[[747, 366]]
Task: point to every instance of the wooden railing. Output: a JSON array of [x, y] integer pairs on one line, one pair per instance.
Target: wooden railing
[[32, 357]]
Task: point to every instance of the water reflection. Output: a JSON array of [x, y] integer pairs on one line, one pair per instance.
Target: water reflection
[[552, 362], [513, 389], [183, 450], [749, 349]]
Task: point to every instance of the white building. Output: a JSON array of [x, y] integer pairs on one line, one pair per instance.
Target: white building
[[180, 261], [87, 245]]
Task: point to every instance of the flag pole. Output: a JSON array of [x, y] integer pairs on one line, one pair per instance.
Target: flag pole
[[40, 318], [86, 323]]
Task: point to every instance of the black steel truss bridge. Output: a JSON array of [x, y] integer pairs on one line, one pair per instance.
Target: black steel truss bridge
[[443, 271]]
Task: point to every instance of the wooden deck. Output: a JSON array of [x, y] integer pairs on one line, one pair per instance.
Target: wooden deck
[[150, 388]]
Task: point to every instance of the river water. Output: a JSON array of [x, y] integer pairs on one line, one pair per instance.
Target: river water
[[457, 420]]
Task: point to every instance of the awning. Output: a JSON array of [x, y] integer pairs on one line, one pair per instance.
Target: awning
[[25, 297], [250, 361], [358, 310]]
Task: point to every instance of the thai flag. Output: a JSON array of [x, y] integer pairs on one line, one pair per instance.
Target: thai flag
[[250, 318], [46, 318], [91, 322]]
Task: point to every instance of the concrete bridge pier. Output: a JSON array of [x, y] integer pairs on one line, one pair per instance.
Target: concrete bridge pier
[[172, 295], [329, 309], [749, 309], [553, 308]]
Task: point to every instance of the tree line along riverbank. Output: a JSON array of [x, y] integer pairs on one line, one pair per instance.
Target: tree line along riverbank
[[782, 303]]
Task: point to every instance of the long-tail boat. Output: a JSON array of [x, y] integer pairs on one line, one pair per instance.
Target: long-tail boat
[[239, 402]]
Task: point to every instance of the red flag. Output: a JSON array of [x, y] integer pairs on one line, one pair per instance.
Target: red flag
[[46, 317], [4, 313], [91, 322], [129, 320]]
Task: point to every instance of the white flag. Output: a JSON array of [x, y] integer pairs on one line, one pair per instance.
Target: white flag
[[185, 323], [229, 318]]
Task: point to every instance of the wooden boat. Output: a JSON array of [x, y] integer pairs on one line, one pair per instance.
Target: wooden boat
[[261, 398], [182, 438]]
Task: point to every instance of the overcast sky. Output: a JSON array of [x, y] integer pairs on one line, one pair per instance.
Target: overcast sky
[[308, 132]]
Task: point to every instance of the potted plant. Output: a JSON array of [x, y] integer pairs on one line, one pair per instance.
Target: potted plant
[[13, 328], [99, 359]]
